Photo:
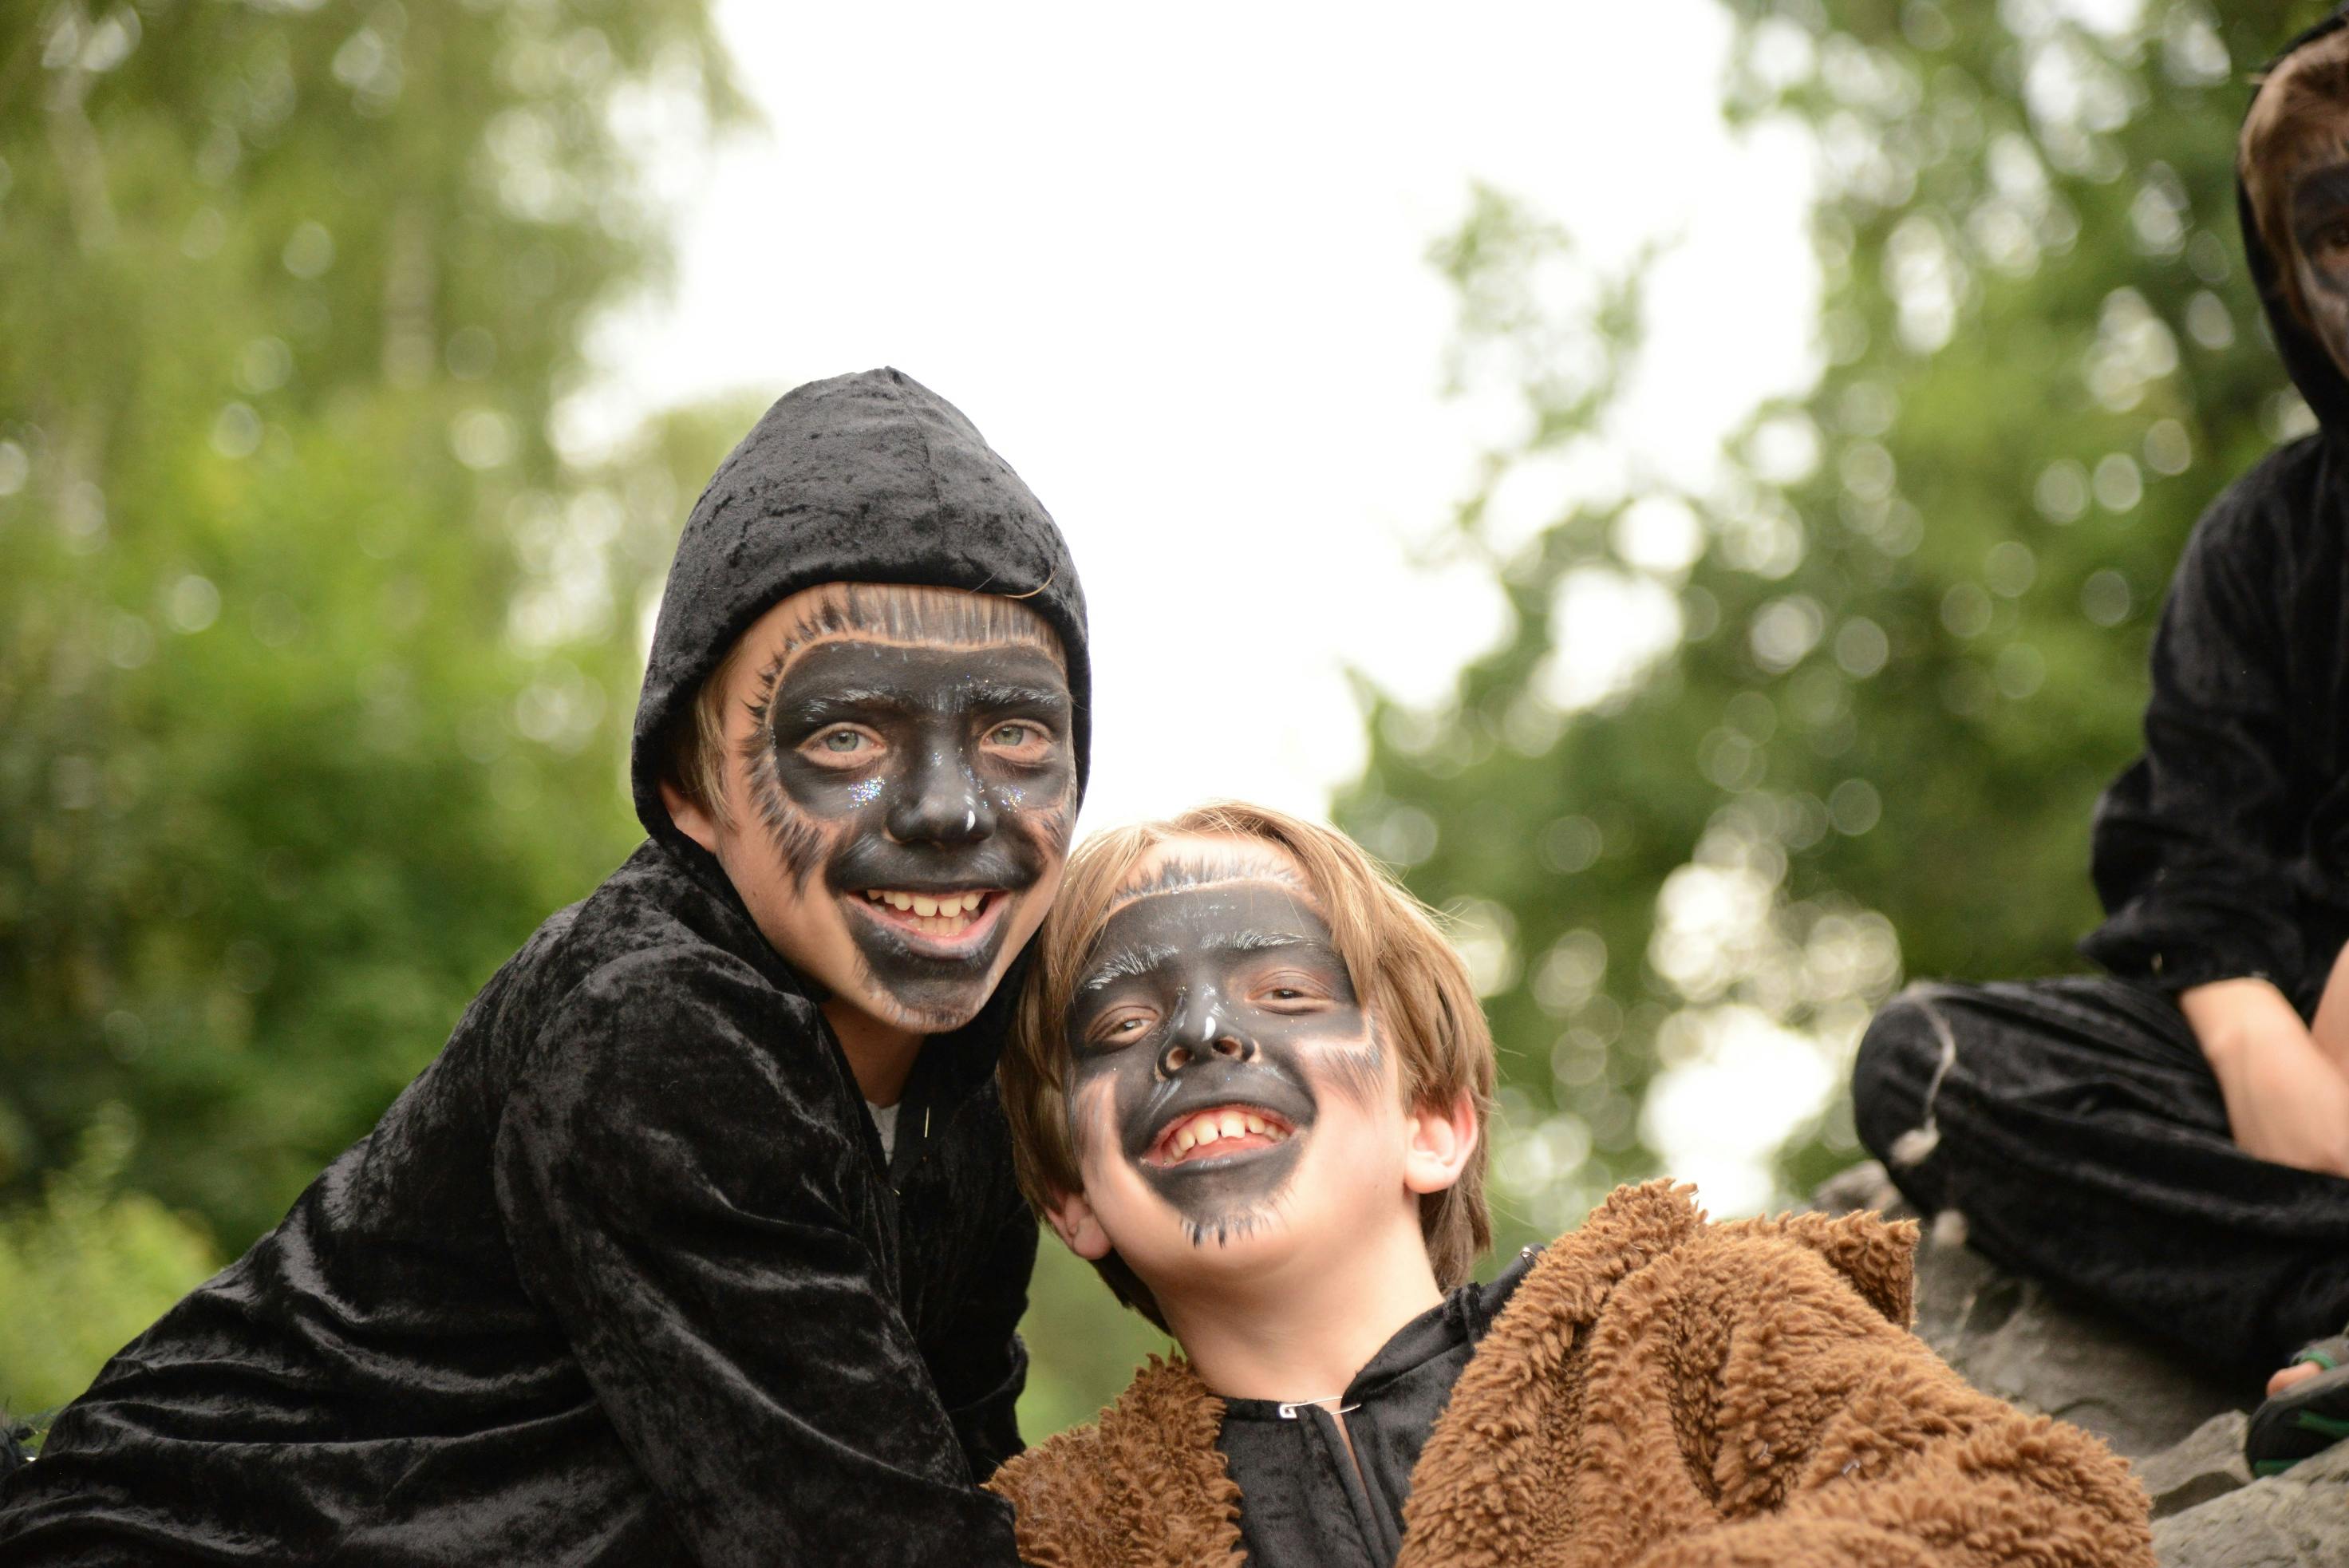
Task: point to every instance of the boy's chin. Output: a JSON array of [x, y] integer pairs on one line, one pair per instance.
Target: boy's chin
[[1190, 1251], [926, 1016]]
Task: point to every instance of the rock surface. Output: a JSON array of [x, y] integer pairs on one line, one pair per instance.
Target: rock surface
[[2209, 1463], [2297, 1520], [2007, 1336], [2181, 1428]]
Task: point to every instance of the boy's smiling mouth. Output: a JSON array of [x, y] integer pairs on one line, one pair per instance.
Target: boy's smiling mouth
[[1218, 1132], [947, 924]]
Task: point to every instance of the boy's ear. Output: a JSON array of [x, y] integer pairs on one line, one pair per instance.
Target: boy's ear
[[1442, 1139], [1073, 1221], [691, 819]]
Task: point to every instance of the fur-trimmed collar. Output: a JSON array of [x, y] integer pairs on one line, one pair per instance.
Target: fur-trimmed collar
[[1653, 1375]]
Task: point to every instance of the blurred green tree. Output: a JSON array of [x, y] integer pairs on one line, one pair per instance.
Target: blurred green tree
[[1872, 679], [316, 652]]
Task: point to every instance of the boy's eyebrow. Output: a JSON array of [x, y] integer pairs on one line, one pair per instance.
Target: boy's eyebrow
[[844, 701], [984, 694], [1257, 942], [1008, 694], [2319, 196], [1126, 963]]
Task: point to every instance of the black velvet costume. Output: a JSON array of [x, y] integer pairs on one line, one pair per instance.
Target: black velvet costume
[[624, 1277], [2074, 1123], [1314, 1497]]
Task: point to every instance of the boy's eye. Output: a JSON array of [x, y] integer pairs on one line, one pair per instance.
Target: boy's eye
[[1120, 1028], [841, 743], [1290, 992], [1018, 735]]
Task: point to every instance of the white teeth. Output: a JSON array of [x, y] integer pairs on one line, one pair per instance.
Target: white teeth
[[926, 904], [1214, 1127]]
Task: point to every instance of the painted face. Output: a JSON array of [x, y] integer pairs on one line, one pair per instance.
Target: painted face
[[904, 783], [1217, 1045], [2320, 234]]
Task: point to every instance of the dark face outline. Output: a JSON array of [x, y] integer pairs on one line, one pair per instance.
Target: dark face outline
[[1217, 984], [881, 759], [2320, 258]]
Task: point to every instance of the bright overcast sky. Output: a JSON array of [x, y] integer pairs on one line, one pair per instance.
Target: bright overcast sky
[[1173, 265]]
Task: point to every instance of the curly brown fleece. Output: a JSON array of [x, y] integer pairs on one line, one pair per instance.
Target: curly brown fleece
[[1660, 1393]]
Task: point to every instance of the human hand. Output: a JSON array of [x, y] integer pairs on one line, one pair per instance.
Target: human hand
[[2331, 1028], [2286, 1101]]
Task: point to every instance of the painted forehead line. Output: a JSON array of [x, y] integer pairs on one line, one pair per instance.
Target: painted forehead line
[[916, 617], [1186, 873]]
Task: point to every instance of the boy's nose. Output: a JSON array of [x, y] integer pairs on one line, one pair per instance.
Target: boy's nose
[[1201, 1032], [940, 802]]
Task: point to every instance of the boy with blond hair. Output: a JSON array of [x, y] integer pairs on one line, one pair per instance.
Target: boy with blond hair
[[1250, 1082]]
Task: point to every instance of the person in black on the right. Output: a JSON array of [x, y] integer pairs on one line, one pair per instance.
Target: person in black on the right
[[2171, 1142]]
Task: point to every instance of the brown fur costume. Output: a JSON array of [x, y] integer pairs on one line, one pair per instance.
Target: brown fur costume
[[1659, 1393]]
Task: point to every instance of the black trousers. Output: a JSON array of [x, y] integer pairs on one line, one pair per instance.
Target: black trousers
[[2076, 1127]]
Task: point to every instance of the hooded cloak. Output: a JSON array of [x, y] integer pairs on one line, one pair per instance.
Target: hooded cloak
[[625, 1276], [2223, 851], [2074, 1122]]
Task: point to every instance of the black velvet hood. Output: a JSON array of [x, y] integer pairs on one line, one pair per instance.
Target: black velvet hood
[[869, 478], [2320, 381]]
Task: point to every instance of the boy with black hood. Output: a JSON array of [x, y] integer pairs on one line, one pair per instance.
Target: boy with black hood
[[2171, 1142], [631, 1274]]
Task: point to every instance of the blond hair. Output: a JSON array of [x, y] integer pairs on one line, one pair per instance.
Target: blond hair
[[2302, 109], [1411, 983]]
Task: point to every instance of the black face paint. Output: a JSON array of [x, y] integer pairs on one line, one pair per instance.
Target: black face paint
[[924, 772], [2320, 234], [1213, 993]]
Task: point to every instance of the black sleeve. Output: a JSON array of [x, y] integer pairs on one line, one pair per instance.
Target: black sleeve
[[2189, 844], [983, 1367], [679, 1200]]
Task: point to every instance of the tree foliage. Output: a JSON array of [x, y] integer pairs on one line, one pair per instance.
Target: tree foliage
[[313, 650], [316, 648], [1758, 744]]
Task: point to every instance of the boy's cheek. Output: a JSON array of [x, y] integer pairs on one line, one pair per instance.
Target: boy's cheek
[[1034, 904], [1093, 1116]]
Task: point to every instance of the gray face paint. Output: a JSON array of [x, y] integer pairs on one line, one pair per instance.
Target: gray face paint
[[935, 771], [1210, 993], [2320, 242]]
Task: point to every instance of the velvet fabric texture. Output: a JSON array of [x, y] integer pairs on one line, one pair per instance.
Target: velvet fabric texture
[[1313, 1495], [1658, 1393], [2076, 1126], [625, 1276], [2074, 1122]]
